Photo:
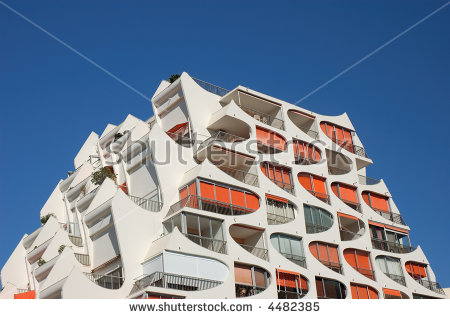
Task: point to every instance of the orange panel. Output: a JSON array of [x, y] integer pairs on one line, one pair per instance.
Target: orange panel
[[237, 198], [354, 290], [348, 137], [334, 188], [26, 295], [365, 196], [339, 133], [313, 249], [348, 193], [278, 199], [299, 148], [422, 271], [177, 128], [363, 259], [252, 201], [373, 294], [278, 141], [207, 190], [379, 202], [183, 192], [264, 169], [243, 274], [319, 287], [287, 279], [362, 291], [193, 189], [334, 256], [305, 180], [319, 186], [392, 292], [303, 283], [347, 216], [317, 153], [278, 174], [286, 176], [263, 135], [323, 252], [222, 194], [310, 149], [349, 255]]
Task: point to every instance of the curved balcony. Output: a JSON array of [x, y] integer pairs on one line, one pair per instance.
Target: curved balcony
[[305, 153], [350, 227], [250, 280], [291, 285], [391, 246], [380, 204], [342, 137], [330, 289], [315, 185], [279, 175], [317, 220], [290, 247], [269, 142], [360, 261], [419, 272], [338, 163], [279, 210], [107, 281], [347, 194], [251, 239], [147, 204], [28, 241], [327, 254], [392, 268], [97, 213], [305, 122]]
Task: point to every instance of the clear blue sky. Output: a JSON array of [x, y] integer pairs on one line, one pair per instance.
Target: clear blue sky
[[398, 99]]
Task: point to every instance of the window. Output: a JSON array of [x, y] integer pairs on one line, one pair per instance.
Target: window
[[315, 185], [290, 247], [279, 210], [392, 294], [329, 289], [378, 202], [269, 141], [305, 153], [317, 219], [360, 291], [416, 270], [280, 175], [327, 254], [350, 227], [389, 238], [391, 267], [347, 194], [250, 280], [360, 261], [291, 285], [339, 135]]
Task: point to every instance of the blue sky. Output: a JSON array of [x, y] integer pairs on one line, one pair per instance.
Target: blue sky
[[398, 99]]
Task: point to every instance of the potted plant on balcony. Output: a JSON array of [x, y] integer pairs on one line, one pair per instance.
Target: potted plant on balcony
[[41, 262], [45, 218], [173, 78], [99, 176]]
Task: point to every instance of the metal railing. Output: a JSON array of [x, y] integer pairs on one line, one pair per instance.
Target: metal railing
[[106, 281], [296, 259], [364, 180], [322, 196], [332, 170], [257, 251], [216, 245], [83, 259], [397, 278], [352, 204], [228, 138], [391, 246], [268, 148], [337, 267], [304, 159], [211, 87], [243, 176], [310, 132], [271, 120], [175, 281], [274, 219], [348, 235], [209, 205], [369, 273], [147, 204], [394, 217], [247, 290], [315, 228], [434, 286], [287, 187], [77, 241], [358, 150], [285, 294]]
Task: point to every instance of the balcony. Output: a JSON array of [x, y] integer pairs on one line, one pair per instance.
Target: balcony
[[173, 281], [434, 286], [394, 217], [315, 228], [397, 278], [350, 227], [251, 239], [275, 219], [265, 118], [240, 175], [106, 281], [364, 180], [147, 204], [357, 150], [183, 140], [216, 245], [209, 205], [83, 259], [214, 89], [335, 266], [296, 259], [392, 247], [322, 196], [338, 163], [247, 290], [305, 122]]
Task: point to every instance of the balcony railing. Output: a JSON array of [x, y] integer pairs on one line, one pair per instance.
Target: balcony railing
[[285, 294], [337, 267], [322, 196], [243, 176], [264, 118], [310, 132], [348, 234], [301, 158], [209, 205], [434, 286], [76, 240], [106, 281], [397, 278], [332, 170], [296, 259], [315, 228], [369, 273], [364, 180], [211, 87], [257, 251], [174, 281], [227, 137], [394, 217], [247, 290], [147, 204], [216, 245], [287, 187], [358, 150], [274, 219], [83, 259], [391, 246], [352, 204]]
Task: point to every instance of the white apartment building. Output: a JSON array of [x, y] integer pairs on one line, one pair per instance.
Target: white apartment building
[[221, 194]]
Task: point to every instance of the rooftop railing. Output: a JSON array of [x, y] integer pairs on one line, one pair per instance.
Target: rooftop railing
[[175, 281], [209, 205], [274, 219], [364, 180], [268, 119], [243, 176], [392, 247], [106, 281], [147, 204], [211, 87], [216, 245], [296, 259], [257, 251]]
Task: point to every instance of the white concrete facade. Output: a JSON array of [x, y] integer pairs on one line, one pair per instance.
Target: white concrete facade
[[191, 213]]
